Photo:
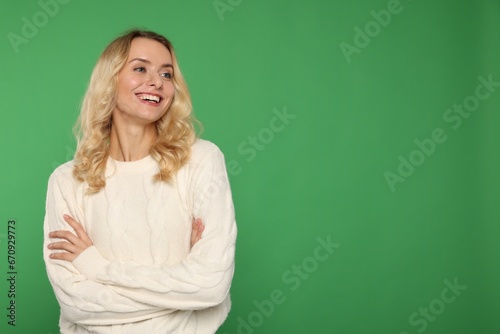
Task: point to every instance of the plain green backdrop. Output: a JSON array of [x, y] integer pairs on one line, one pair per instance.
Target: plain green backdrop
[[362, 89]]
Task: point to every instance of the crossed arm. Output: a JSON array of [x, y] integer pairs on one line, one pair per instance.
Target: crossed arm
[[73, 245]]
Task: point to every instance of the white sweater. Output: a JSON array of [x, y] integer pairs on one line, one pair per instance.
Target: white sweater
[[141, 275]]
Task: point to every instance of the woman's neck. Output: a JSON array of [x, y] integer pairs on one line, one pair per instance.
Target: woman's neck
[[131, 143]]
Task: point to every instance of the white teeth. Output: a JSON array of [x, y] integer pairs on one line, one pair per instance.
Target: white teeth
[[149, 97]]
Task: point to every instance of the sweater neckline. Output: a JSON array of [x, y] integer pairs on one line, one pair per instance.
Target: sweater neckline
[[131, 167]]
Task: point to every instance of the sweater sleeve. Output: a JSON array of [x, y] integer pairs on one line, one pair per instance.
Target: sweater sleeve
[[203, 278], [82, 300]]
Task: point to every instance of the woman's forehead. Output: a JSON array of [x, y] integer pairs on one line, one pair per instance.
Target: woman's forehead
[[148, 49]]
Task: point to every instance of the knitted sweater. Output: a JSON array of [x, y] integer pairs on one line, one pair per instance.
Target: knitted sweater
[[141, 275]]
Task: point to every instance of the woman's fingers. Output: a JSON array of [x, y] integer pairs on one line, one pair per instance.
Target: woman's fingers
[[63, 245], [66, 235], [80, 232], [201, 228], [194, 228], [73, 245], [63, 251], [197, 229], [63, 256]]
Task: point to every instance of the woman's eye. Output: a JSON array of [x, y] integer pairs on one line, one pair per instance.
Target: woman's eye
[[167, 75], [140, 69]]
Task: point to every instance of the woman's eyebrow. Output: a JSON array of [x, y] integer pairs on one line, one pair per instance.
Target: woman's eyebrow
[[148, 62]]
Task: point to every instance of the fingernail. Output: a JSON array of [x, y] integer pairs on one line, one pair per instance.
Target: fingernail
[[65, 216]]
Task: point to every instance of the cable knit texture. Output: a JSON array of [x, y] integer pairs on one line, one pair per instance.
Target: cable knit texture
[[141, 276]]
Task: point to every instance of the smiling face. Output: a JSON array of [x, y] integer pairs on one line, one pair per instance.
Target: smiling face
[[145, 88]]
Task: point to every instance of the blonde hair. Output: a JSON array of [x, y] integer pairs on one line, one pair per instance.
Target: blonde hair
[[175, 130]]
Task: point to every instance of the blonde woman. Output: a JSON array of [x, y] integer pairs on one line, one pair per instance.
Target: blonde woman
[[139, 228]]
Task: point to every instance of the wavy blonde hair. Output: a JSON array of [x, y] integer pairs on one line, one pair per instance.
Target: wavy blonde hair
[[175, 130]]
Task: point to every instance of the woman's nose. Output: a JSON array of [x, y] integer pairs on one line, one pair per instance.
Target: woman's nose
[[155, 80]]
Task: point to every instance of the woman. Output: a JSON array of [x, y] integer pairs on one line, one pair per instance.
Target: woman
[[123, 250]]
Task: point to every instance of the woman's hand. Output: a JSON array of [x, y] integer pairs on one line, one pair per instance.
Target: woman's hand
[[197, 230], [73, 245]]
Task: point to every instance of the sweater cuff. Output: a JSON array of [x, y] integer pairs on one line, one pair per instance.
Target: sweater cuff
[[90, 262]]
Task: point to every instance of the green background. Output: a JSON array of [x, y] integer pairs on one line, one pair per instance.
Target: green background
[[320, 176]]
